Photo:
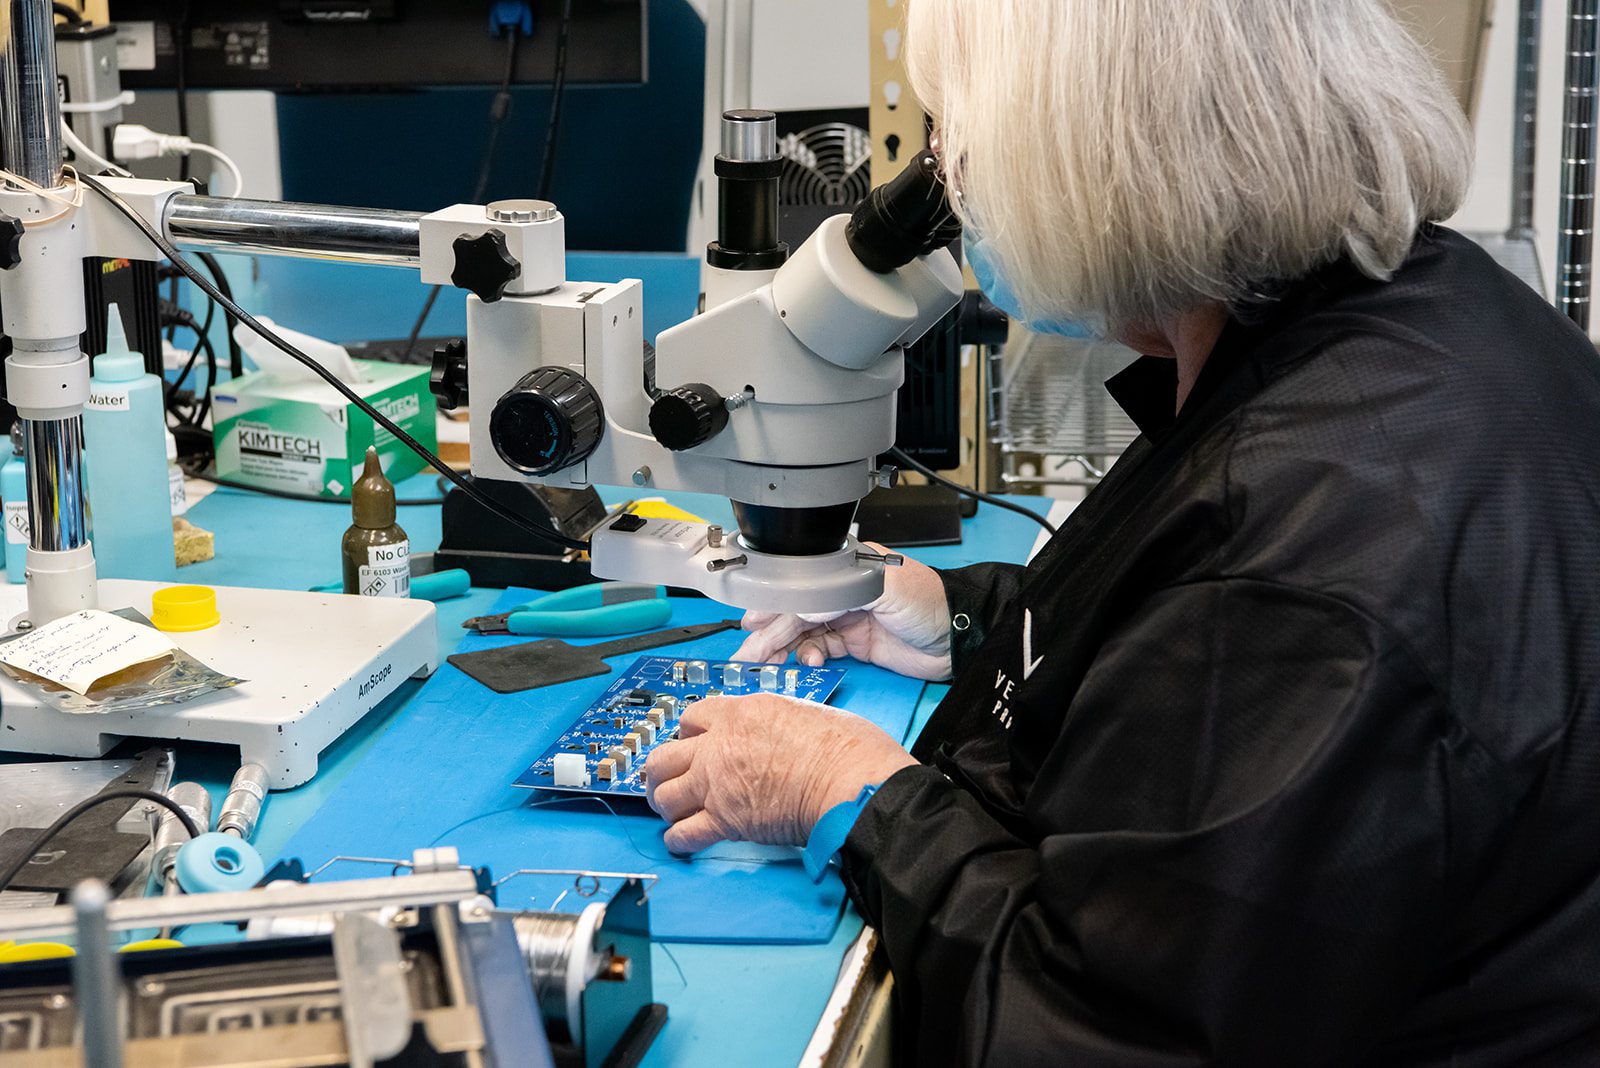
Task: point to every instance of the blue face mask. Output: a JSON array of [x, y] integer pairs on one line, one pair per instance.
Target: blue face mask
[[999, 291]]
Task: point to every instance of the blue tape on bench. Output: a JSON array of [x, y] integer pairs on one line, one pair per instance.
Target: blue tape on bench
[[442, 773]]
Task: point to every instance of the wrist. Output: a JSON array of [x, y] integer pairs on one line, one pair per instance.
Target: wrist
[[843, 781]]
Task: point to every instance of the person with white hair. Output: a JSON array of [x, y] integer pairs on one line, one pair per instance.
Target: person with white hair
[[1286, 749]]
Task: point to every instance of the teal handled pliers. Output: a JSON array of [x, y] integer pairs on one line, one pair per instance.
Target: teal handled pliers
[[583, 612]]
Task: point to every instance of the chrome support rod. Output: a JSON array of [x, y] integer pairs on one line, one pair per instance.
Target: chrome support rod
[[53, 453], [31, 145], [1525, 135], [370, 236], [1575, 237]]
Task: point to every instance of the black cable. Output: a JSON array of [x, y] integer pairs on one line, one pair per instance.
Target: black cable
[[73, 16], [44, 839], [202, 343], [219, 276], [461, 482], [499, 109], [227, 483], [558, 87], [928, 473]]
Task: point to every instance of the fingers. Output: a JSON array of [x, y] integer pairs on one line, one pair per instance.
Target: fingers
[[772, 641], [698, 717], [754, 621], [699, 831], [670, 760], [679, 798]]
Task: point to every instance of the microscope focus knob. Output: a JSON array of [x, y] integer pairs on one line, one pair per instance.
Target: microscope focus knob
[[448, 378], [484, 265], [688, 416], [11, 232], [549, 421]]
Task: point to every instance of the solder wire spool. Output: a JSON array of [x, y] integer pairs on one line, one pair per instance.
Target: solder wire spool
[[559, 949]]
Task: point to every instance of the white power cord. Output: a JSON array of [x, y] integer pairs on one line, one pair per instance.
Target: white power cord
[[84, 152], [132, 141]]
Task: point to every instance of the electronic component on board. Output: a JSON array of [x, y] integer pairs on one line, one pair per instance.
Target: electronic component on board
[[571, 769], [626, 733]]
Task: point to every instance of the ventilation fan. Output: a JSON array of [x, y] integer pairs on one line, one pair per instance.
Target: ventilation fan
[[826, 170]]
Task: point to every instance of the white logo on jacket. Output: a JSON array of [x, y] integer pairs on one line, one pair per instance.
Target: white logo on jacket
[[1029, 664]]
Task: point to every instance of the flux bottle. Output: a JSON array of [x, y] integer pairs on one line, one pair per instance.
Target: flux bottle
[[377, 553]]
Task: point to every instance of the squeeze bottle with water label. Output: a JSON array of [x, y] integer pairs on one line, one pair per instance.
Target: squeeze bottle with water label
[[125, 440], [14, 498], [377, 553]]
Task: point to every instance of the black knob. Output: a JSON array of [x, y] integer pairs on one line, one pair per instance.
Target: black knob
[[484, 265], [549, 421], [448, 379], [11, 232], [688, 416]]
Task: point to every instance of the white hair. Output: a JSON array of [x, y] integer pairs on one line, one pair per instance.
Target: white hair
[[1127, 160]]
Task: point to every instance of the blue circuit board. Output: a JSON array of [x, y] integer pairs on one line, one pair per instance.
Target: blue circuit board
[[640, 710]]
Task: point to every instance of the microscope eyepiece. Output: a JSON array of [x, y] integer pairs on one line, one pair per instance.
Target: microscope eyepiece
[[904, 219]]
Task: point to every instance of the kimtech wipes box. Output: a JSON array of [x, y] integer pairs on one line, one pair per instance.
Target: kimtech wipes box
[[299, 435]]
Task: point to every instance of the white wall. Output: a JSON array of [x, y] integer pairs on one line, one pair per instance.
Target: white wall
[[1488, 208]]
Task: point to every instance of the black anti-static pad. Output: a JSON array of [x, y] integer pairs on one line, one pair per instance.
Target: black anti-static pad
[[530, 665], [90, 847]]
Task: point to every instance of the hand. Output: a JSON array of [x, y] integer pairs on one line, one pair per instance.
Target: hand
[[763, 769], [906, 631]]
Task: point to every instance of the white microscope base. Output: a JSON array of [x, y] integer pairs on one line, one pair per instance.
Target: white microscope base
[[314, 664]]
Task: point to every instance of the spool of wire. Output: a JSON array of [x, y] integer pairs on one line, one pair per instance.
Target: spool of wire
[[559, 950]]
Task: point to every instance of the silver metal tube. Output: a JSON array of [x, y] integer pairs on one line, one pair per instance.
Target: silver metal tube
[[309, 899], [30, 136], [749, 136], [241, 809], [96, 985], [372, 236], [53, 452], [1525, 135], [171, 836], [1575, 239]]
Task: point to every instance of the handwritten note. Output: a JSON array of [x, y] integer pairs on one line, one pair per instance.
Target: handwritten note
[[78, 650]]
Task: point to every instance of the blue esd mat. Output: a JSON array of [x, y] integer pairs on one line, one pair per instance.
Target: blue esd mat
[[442, 772]]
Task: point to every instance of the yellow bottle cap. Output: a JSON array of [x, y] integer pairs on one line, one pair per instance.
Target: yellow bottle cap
[[180, 609]]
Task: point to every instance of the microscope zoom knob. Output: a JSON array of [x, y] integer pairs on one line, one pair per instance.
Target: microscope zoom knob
[[688, 416], [484, 265], [11, 231], [448, 378], [549, 421]]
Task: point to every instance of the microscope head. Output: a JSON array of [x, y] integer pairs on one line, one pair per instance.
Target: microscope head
[[779, 396]]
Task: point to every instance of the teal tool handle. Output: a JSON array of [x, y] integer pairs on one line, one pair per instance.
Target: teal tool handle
[[622, 618], [594, 595], [441, 585]]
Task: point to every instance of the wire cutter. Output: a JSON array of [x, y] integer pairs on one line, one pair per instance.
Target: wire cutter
[[597, 609]]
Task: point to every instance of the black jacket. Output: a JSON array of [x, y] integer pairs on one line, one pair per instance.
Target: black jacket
[[1287, 749]]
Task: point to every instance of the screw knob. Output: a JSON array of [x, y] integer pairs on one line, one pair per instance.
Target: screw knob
[[549, 421], [688, 416], [484, 265], [448, 378], [11, 231]]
